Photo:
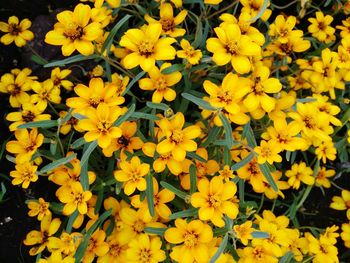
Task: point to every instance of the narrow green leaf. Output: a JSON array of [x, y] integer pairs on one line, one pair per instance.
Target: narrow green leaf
[[249, 135], [157, 106], [146, 116], [86, 153], [83, 246], [193, 155], [155, 230], [150, 194], [134, 80], [70, 60], [242, 163], [199, 34], [212, 136], [173, 189], [185, 213], [228, 131], [199, 102], [220, 250], [267, 174], [78, 143], [39, 124], [99, 200], [71, 221], [38, 60], [261, 12], [173, 68], [109, 40], [287, 258], [57, 163], [260, 234], [125, 116], [193, 179]]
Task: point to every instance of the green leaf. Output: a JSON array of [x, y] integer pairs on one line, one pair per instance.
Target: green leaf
[[173, 68], [70, 60], [71, 221], [249, 135], [228, 131], [173, 189], [261, 12], [146, 116], [38, 60], [57, 163], [267, 173], [109, 40], [185, 213], [220, 250], [242, 163], [83, 246], [155, 230], [193, 155], [39, 124], [260, 234], [193, 179], [86, 153], [87, 150], [157, 106], [199, 102], [134, 80], [213, 135], [199, 34], [150, 194], [125, 116], [78, 143], [287, 258]]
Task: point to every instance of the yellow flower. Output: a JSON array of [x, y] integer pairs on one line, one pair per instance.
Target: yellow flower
[[132, 173], [24, 174], [56, 256], [59, 76], [100, 124], [226, 173], [75, 198], [146, 47], [43, 238], [258, 253], [66, 127], [16, 84], [322, 177], [252, 172], [177, 140], [253, 7], [168, 21], [45, 92], [213, 200], [96, 246], [326, 151], [75, 31], [16, 31], [161, 83], [282, 29], [38, 208], [95, 94], [144, 249], [345, 234], [192, 55], [30, 112], [322, 250], [244, 232], [191, 239], [268, 152], [119, 81], [26, 144], [281, 185], [260, 85], [232, 46], [320, 27], [300, 173], [117, 249], [69, 242], [342, 202]]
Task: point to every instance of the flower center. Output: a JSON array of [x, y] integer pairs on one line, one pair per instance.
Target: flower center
[[103, 126], [138, 226], [232, 47], [146, 48], [309, 122], [258, 253], [95, 101], [115, 250], [225, 97], [190, 239], [145, 255], [177, 136], [14, 90], [214, 201], [167, 24], [73, 31], [14, 29], [161, 84], [28, 116], [123, 141]]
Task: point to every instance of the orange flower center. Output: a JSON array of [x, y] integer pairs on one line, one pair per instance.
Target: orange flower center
[[177, 136], [160, 84], [28, 116], [145, 255], [73, 31], [309, 122], [232, 47], [14, 29], [115, 250], [146, 48], [103, 126], [214, 201], [138, 226], [225, 97], [190, 239], [167, 24]]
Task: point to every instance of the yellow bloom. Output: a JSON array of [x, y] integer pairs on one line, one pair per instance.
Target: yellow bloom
[[345, 234], [30, 112], [76, 198], [56, 256], [258, 253], [95, 94], [252, 172], [322, 177], [146, 47], [191, 239], [189, 53], [213, 200], [342, 202], [69, 242], [177, 140], [75, 31], [168, 21], [96, 246], [320, 27], [144, 249], [26, 144], [16, 84], [119, 81], [300, 173], [282, 29], [132, 173], [100, 125], [45, 92], [117, 249], [72, 122], [43, 238], [59, 76], [268, 152], [326, 151], [232, 46], [281, 185], [16, 31], [24, 174], [244, 232], [38, 208], [323, 251], [253, 7], [226, 173], [161, 83]]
